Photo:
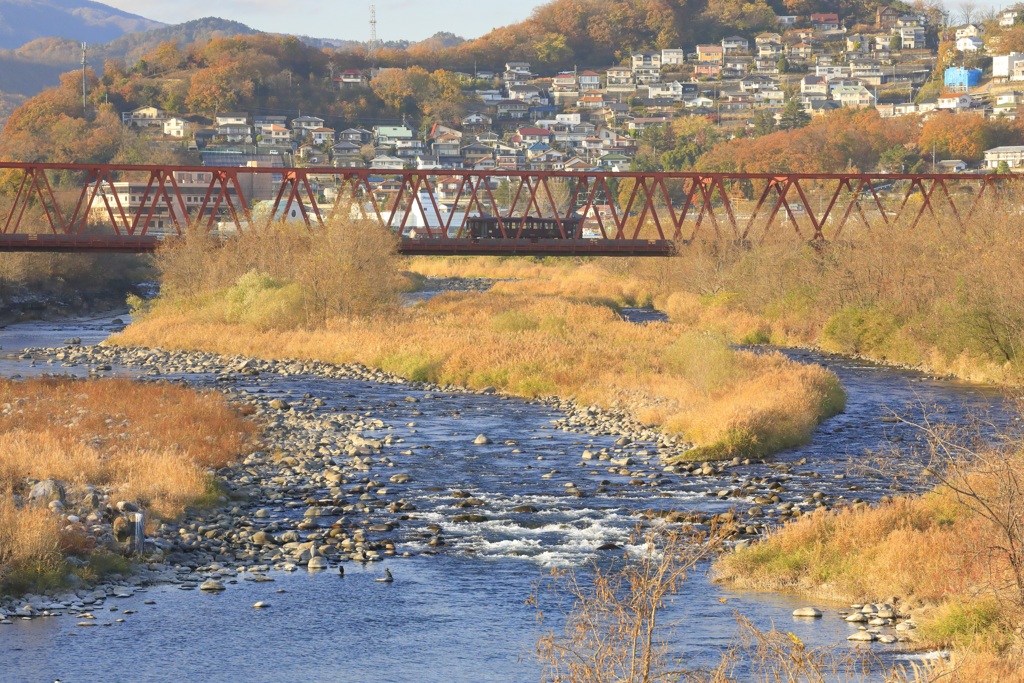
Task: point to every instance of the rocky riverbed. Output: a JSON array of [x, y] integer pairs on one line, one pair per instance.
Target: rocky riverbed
[[329, 486], [360, 469]]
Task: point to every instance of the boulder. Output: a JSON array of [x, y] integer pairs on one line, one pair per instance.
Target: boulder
[[48, 490], [862, 637], [807, 612], [481, 440]]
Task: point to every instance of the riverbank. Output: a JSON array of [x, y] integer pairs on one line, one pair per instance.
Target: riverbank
[[949, 558], [77, 454], [941, 301], [60, 286]]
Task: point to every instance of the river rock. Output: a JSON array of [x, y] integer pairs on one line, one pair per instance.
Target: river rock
[[857, 618], [481, 440], [862, 637], [279, 404], [400, 479], [211, 586], [317, 562], [47, 490], [261, 605], [807, 612]]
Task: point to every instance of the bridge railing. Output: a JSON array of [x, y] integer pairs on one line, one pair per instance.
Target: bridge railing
[[438, 210]]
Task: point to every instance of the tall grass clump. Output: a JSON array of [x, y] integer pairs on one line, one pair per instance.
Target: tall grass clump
[[151, 444], [954, 552], [280, 275]]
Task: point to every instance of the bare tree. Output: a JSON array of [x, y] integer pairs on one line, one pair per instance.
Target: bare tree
[[986, 476], [967, 11], [612, 633]]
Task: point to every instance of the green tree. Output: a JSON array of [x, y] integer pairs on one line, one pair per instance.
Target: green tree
[[793, 115], [764, 122], [553, 49], [1003, 168]]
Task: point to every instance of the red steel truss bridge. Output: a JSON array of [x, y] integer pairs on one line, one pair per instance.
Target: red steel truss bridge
[[130, 209]]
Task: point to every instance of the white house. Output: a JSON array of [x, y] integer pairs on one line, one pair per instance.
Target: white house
[[1013, 155], [176, 127], [673, 57], [955, 102], [969, 44], [387, 163], [1002, 65]]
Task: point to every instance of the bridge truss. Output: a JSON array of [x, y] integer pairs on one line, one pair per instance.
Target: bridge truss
[[104, 208]]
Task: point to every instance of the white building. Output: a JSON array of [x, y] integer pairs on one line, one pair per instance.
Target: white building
[[1013, 155], [1002, 65], [969, 44]]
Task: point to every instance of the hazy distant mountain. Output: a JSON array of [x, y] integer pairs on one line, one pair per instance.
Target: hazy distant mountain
[[22, 21]]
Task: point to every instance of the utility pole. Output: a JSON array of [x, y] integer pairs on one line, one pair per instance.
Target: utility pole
[[84, 63]]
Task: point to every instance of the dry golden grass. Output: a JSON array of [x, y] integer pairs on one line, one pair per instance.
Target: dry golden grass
[[928, 550], [939, 295], [148, 443], [531, 345]]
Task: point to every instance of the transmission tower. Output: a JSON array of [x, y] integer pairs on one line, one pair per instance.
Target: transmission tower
[[373, 30]]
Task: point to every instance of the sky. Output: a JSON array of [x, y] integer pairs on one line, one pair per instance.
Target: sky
[[345, 19]]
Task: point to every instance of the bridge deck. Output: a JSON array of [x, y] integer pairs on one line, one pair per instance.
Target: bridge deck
[[127, 244], [120, 209]]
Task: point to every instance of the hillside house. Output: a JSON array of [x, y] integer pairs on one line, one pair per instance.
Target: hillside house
[[302, 125], [801, 50], [511, 109], [517, 72], [856, 96], [274, 134], [1008, 18], [858, 43], [825, 21], [322, 136], [177, 127], [565, 82], [1013, 155], [734, 44], [673, 57], [620, 79], [346, 155], [707, 70], [388, 135], [358, 136], [589, 80], [911, 37], [387, 163], [144, 117], [955, 102], [814, 85], [710, 54], [886, 18], [1002, 65], [352, 78], [969, 44], [969, 31], [1006, 105]]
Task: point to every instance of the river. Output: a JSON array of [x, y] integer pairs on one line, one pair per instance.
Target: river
[[461, 614]]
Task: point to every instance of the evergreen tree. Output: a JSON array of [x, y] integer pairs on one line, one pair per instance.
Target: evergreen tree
[[793, 115]]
